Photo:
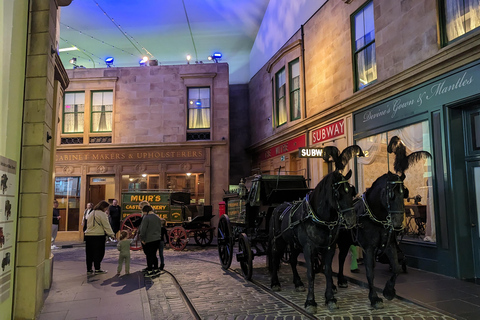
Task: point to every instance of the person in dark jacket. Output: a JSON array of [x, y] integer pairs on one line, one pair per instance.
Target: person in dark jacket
[[55, 222], [150, 232], [115, 216]]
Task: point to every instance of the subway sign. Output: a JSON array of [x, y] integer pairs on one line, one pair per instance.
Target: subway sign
[[310, 152]]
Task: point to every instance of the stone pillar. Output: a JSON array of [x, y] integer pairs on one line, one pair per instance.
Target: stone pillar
[[34, 260]]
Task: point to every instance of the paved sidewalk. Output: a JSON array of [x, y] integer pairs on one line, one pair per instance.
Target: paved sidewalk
[[74, 295]]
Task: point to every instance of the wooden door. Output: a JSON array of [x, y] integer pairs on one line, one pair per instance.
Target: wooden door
[[96, 194]]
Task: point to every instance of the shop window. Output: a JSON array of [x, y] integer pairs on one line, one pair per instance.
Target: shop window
[[67, 193], [294, 83], [281, 103], [419, 209], [102, 107], [199, 108], [363, 29], [460, 16], [73, 112], [189, 182]]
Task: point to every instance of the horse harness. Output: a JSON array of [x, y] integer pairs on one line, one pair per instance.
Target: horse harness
[[387, 223], [305, 203]]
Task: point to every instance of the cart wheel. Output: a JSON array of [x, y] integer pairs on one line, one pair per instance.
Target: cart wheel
[[244, 256], [225, 242], [131, 224], [178, 238], [204, 236]]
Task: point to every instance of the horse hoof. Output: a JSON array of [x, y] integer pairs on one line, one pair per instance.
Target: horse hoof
[[300, 289], [389, 294], [276, 288], [377, 304], [311, 309], [332, 305], [343, 284]]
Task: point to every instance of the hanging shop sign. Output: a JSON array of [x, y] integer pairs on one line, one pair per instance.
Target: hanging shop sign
[[328, 132], [442, 90], [282, 148]]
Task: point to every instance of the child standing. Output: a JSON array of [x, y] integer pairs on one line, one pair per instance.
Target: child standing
[[124, 247]]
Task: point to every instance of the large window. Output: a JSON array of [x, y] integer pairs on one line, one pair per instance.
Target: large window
[[364, 47], [67, 193], [102, 107], [294, 83], [198, 108], [73, 112], [281, 103], [419, 209], [461, 16]]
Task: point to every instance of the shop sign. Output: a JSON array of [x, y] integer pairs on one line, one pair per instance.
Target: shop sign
[[328, 132], [310, 152], [462, 84], [116, 155], [286, 147]]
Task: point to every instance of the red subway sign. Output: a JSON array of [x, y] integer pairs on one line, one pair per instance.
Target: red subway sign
[[328, 132]]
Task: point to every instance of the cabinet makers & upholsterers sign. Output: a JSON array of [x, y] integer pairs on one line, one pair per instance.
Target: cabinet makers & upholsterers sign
[[116, 155]]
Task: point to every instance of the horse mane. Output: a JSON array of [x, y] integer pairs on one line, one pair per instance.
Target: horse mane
[[402, 161], [322, 199], [379, 181]]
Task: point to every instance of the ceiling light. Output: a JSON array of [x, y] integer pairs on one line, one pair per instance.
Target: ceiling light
[[144, 175], [73, 61], [189, 174], [189, 57], [215, 56], [67, 49], [144, 60]]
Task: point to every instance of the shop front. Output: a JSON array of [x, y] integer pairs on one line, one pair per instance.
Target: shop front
[[441, 116], [282, 158], [92, 175]]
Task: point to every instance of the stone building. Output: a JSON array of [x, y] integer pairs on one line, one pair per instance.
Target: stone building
[[360, 72], [123, 130]]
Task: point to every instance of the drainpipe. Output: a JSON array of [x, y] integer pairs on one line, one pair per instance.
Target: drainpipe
[[305, 99]]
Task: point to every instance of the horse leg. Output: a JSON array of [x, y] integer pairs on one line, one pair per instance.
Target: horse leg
[[276, 253], [330, 289], [297, 281], [310, 304], [389, 291], [369, 260], [342, 255]]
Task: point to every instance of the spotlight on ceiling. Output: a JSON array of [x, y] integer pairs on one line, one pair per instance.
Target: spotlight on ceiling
[[144, 61], [189, 57], [109, 61], [215, 56], [73, 61]]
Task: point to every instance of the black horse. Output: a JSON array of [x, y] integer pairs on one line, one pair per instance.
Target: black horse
[[312, 226], [380, 214]]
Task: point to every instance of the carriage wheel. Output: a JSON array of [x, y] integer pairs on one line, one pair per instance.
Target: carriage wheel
[[178, 238], [244, 256], [203, 237], [225, 242], [131, 224]]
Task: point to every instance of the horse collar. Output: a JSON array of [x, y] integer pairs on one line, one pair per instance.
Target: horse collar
[[311, 214]]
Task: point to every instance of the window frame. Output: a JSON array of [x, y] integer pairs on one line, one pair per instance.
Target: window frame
[[292, 91], [355, 52], [442, 17], [63, 113], [209, 107], [92, 92], [277, 99]]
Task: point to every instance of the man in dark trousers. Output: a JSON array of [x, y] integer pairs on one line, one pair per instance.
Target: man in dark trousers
[[115, 214]]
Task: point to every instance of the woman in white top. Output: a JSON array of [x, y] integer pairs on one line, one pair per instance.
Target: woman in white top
[[98, 227]]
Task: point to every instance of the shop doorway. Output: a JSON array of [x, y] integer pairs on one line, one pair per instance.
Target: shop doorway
[[100, 188], [472, 159]]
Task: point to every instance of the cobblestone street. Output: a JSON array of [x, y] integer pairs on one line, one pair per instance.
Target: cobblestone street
[[219, 294]]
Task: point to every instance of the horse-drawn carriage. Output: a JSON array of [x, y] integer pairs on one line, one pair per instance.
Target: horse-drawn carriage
[[182, 219], [247, 215]]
